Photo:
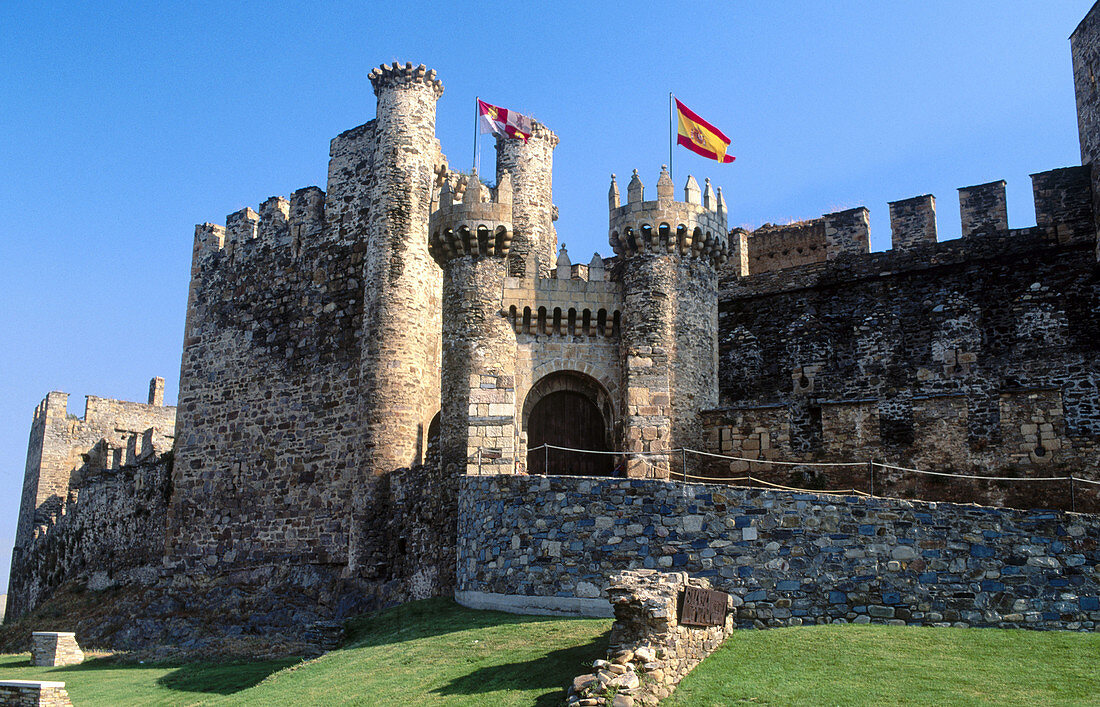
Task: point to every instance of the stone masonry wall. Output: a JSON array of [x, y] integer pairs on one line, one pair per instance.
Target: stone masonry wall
[[109, 531], [773, 247], [964, 334], [114, 432], [269, 433], [34, 693], [787, 558]]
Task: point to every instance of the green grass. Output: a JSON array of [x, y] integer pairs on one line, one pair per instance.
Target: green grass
[[423, 653], [881, 665], [105, 681], [435, 652]]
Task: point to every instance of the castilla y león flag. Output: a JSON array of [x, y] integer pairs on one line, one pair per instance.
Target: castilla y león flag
[[699, 136], [503, 122]]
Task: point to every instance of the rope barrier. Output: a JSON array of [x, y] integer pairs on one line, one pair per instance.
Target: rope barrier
[[972, 476], [772, 461], [684, 476], [597, 451], [841, 492]]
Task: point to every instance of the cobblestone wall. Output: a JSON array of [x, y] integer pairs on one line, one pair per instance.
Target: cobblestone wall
[[787, 558]]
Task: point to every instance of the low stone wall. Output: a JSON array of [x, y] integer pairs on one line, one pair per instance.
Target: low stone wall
[[33, 693], [787, 558]]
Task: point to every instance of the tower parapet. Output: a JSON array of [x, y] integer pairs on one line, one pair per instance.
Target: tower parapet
[[693, 227], [471, 238], [469, 219], [671, 251], [395, 75]]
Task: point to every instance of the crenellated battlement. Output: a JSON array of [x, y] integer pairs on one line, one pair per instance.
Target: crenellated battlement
[[470, 219], [394, 76], [695, 226], [280, 223], [578, 301], [1063, 213]]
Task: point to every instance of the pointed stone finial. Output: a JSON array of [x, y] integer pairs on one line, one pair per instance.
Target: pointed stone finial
[[596, 270], [446, 195], [721, 202], [666, 190], [634, 190], [504, 189], [476, 192], [692, 195], [710, 201], [564, 265], [613, 195]]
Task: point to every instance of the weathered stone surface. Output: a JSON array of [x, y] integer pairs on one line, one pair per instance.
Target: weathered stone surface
[[847, 558], [648, 635], [321, 384]]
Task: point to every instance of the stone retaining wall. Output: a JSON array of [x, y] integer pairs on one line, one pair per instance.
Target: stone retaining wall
[[787, 558]]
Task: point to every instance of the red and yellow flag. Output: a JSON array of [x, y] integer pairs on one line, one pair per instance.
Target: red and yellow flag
[[701, 137], [503, 122]]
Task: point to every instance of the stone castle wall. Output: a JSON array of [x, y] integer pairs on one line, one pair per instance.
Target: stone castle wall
[[109, 531], [787, 558], [316, 349], [972, 355], [62, 451], [267, 454]]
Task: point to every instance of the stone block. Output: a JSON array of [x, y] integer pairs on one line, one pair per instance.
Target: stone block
[[50, 648]]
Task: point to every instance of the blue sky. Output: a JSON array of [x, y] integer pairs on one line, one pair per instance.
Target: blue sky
[[124, 124]]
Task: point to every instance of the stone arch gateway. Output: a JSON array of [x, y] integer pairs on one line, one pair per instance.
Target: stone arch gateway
[[569, 409]]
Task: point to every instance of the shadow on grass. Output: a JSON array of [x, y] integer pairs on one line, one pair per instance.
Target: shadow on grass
[[553, 671], [427, 618], [209, 678], [221, 679]]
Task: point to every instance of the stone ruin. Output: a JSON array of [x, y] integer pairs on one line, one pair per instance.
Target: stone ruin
[[653, 642]]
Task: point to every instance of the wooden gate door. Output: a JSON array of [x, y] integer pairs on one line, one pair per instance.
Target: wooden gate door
[[568, 419]]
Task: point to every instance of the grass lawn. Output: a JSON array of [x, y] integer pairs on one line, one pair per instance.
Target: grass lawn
[[104, 681], [886, 665], [436, 652], [423, 653]]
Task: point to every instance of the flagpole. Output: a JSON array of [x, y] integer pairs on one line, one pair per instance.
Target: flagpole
[[670, 174], [477, 116]]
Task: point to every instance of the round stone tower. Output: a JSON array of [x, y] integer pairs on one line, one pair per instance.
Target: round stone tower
[[670, 253], [471, 240], [531, 165], [399, 369]]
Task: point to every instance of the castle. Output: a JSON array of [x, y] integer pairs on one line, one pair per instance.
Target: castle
[[355, 360]]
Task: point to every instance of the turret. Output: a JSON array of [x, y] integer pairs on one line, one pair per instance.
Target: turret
[[471, 239], [671, 251], [531, 165], [399, 361]]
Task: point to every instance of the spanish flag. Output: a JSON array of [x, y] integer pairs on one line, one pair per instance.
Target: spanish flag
[[699, 136]]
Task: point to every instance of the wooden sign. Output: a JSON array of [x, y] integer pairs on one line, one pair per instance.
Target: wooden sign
[[703, 607]]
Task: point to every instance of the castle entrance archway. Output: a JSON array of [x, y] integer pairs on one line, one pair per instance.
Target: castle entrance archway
[[568, 409]]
